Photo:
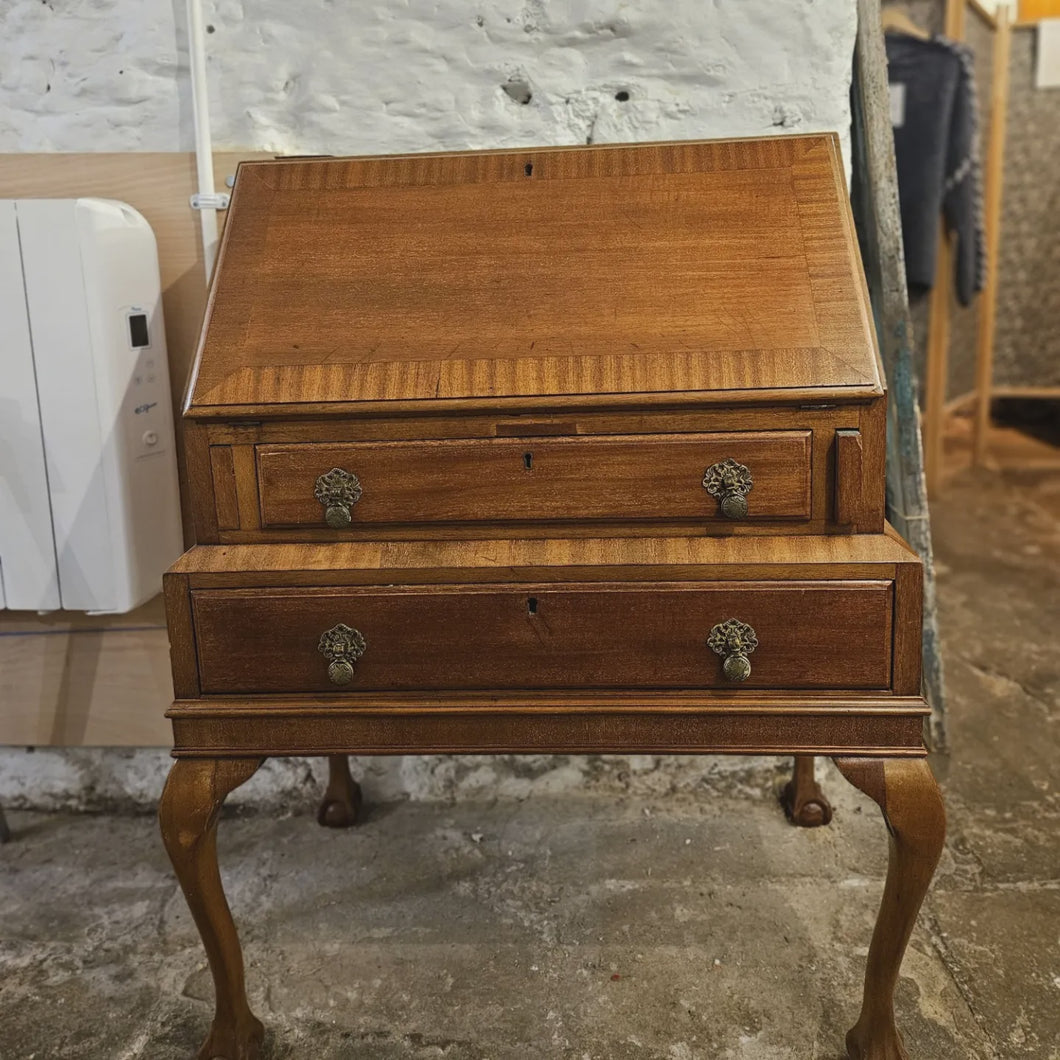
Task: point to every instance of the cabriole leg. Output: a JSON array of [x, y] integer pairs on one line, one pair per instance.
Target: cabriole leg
[[188, 812], [802, 798], [341, 805], [906, 792]]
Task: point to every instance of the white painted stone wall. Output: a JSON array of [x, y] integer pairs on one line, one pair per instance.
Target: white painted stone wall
[[349, 76], [353, 76]]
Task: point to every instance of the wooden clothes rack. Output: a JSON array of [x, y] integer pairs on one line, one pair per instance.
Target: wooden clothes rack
[[938, 340], [992, 183]]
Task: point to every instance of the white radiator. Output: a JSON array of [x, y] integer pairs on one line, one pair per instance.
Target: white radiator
[[89, 502]]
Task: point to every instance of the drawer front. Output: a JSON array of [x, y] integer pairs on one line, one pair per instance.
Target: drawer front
[[810, 635], [530, 480]]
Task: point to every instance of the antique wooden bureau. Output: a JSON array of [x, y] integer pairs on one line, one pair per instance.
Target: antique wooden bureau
[[560, 450]]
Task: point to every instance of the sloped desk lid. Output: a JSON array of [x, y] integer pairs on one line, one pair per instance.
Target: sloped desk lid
[[709, 271]]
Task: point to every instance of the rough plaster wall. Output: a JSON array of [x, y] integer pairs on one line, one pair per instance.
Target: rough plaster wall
[[322, 76], [100, 779]]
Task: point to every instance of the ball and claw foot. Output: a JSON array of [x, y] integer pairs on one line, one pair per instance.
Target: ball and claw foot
[[805, 804], [881, 1043], [234, 1041], [341, 805]]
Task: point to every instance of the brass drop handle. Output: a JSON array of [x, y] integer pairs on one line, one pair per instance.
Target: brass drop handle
[[338, 491], [730, 482], [342, 646], [734, 640]]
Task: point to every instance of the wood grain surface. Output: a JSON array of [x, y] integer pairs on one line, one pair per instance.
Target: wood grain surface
[[527, 636], [188, 815], [559, 339], [77, 680], [638, 477], [856, 502], [651, 724], [909, 797], [710, 268], [273, 459], [211, 564]]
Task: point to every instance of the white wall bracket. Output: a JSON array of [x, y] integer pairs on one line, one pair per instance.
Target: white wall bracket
[[210, 201]]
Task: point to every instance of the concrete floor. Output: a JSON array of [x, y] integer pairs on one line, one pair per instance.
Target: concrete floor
[[602, 926]]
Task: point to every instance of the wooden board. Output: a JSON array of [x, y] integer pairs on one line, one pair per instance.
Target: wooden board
[[1007, 448], [995, 159], [529, 636], [427, 562], [636, 477], [70, 679], [724, 269], [646, 723], [285, 594]]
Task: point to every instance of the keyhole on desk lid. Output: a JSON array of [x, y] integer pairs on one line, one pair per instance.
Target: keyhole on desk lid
[[528, 461], [531, 605]]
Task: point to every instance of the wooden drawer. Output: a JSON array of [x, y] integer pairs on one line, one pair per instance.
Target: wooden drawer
[[811, 635], [627, 478]]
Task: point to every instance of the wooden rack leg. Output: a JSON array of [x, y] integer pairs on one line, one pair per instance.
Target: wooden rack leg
[[912, 809], [188, 812], [995, 165], [341, 805], [802, 798]]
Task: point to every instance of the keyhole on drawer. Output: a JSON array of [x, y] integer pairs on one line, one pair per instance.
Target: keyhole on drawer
[[531, 605], [528, 461]]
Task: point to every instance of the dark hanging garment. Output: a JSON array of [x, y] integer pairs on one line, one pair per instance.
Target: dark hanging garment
[[936, 143]]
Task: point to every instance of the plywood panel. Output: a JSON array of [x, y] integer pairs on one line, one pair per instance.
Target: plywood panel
[[81, 680], [71, 679]]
